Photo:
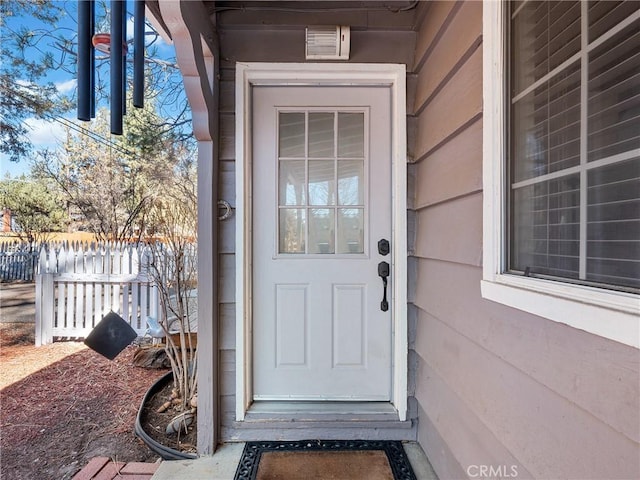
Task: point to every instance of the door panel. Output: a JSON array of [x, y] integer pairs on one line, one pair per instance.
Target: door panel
[[349, 326], [321, 183], [292, 326]]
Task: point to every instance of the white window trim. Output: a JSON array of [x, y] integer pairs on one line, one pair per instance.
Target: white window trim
[[250, 74], [609, 314]]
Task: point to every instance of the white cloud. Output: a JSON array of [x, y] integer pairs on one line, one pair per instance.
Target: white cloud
[[148, 29], [66, 87], [63, 87], [129, 28], [44, 133]]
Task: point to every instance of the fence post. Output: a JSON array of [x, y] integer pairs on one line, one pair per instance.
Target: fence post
[[39, 309], [44, 309], [48, 308], [45, 302]]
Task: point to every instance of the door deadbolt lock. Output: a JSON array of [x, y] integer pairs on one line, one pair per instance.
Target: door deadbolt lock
[[383, 247]]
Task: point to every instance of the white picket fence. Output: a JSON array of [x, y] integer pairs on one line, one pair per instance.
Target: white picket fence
[[18, 261], [77, 284]]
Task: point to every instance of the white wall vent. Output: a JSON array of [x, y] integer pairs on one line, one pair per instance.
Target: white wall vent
[[328, 43]]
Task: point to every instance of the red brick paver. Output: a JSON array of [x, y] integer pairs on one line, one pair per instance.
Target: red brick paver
[[139, 468], [92, 468], [103, 468], [109, 471]]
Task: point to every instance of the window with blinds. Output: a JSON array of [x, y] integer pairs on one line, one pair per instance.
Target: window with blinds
[[574, 143]]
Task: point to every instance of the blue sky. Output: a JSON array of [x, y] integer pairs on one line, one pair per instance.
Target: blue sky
[[47, 134]]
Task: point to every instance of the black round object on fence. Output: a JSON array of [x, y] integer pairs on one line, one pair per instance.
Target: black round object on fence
[[110, 336]]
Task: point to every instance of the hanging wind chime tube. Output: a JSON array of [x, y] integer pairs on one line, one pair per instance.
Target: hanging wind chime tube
[[138, 53], [117, 63], [92, 58], [85, 54], [125, 50]]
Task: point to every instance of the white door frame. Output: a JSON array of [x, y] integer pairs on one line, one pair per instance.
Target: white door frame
[[326, 74]]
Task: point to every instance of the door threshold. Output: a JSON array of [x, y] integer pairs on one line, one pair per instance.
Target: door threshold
[[263, 410]]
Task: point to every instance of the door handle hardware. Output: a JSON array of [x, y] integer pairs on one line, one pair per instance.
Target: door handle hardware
[[383, 272], [383, 247], [383, 269]]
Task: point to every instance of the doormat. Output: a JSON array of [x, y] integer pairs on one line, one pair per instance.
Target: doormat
[[324, 460]]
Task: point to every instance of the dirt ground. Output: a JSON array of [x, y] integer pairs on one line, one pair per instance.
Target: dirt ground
[[63, 404], [155, 423]]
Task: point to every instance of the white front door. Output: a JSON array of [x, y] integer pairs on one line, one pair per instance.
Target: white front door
[[321, 182]]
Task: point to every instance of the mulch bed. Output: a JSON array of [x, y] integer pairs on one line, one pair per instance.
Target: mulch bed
[[66, 405]]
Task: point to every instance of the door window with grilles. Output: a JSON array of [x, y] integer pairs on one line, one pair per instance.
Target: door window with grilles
[[321, 182]]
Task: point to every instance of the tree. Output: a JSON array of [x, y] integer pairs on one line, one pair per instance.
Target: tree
[[174, 271], [24, 91], [36, 206], [47, 43], [113, 183]]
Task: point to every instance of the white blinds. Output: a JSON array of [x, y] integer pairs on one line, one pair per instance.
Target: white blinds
[[574, 164]]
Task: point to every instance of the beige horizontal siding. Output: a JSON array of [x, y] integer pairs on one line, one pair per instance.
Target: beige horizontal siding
[[227, 280], [288, 45], [457, 426], [451, 48], [227, 181], [435, 22], [226, 251], [227, 136], [227, 327], [227, 192], [227, 373], [438, 447], [227, 236], [597, 375], [286, 20], [227, 90], [455, 105], [451, 171], [535, 423], [451, 231]]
